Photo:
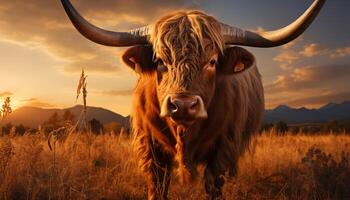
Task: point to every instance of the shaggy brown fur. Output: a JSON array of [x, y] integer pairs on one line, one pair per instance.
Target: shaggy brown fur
[[233, 98]]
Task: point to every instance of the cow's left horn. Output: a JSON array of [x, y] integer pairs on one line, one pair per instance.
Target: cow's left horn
[[105, 37], [237, 36]]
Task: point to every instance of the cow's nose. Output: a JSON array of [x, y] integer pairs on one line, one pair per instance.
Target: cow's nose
[[183, 106]]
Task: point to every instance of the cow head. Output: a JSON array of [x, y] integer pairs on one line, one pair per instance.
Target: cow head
[[187, 54], [187, 51]]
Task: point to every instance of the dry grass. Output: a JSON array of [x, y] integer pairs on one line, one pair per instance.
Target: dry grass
[[104, 167]]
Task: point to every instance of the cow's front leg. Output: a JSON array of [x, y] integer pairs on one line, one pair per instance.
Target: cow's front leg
[[158, 181], [214, 181], [155, 164], [222, 159]]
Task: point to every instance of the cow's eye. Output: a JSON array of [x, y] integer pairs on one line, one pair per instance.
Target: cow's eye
[[213, 62], [161, 67], [211, 65], [159, 61]]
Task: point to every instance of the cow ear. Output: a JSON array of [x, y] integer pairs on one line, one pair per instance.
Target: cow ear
[[236, 60], [139, 58]]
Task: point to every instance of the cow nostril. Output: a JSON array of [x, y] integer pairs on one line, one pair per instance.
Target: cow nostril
[[172, 107], [193, 104]]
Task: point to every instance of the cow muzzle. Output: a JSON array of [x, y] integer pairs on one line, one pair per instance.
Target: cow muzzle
[[183, 108]]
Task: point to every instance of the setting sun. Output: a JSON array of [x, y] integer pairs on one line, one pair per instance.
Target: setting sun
[[14, 104]]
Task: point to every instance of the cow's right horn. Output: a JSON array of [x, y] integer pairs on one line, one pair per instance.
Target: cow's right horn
[[105, 37], [237, 36]]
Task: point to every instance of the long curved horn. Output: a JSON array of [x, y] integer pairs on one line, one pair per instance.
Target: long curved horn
[[237, 36], [105, 37]]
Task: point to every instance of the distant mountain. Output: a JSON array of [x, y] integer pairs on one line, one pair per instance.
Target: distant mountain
[[33, 116], [329, 112]]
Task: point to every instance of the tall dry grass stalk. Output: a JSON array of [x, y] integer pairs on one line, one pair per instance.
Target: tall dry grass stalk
[[83, 166], [5, 111], [82, 89]]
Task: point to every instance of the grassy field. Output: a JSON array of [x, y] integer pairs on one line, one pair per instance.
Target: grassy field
[[104, 167]]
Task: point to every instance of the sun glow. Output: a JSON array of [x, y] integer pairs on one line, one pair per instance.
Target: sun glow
[[15, 104]]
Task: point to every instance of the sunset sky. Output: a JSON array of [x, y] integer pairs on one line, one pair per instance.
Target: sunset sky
[[41, 54]]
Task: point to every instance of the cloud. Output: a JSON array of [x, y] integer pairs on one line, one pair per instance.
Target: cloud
[[311, 50], [44, 25], [340, 52], [34, 102], [92, 66], [6, 94], [308, 77], [286, 58], [289, 56], [127, 92], [291, 44], [300, 86]]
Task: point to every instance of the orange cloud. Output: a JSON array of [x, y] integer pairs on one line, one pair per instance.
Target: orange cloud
[[45, 24], [340, 52], [126, 92], [287, 58], [306, 78], [311, 50], [6, 94], [34, 102], [302, 86], [292, 43]]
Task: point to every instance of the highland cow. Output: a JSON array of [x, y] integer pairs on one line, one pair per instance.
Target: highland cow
[[199, 100]]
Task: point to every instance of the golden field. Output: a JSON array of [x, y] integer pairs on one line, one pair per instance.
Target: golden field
[[80, 166]]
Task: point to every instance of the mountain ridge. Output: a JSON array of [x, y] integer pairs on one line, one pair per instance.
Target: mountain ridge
[[327, 112], [20, 115]]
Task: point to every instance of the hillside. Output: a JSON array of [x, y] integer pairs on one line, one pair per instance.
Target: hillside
[[328, 112], [33, 116]]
